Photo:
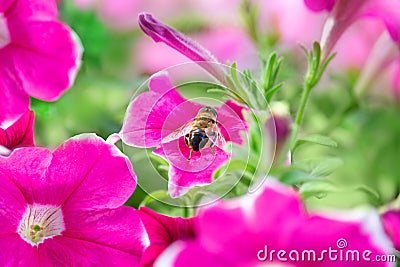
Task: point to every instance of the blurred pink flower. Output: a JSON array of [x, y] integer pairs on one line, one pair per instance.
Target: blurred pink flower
[[117, 14], [380, 60], [343, 13], [291, 22], [236, 46], [320, 5], [39, 56], [155, 114], [19, 134], [361, 35], [161, 32], [121, 15], [238, 232], [63, 208], [391, 222], [294, 24], [163, 231]]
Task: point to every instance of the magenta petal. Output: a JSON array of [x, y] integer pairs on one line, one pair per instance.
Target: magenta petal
[[184, 174], [136, 130], [391, 222], [46, 57], [12, 203], [160, 32], [25, 10], [238, 109], [5, 5], [20, 133], [15, 101], [231, 122], [65, 251], [195, 254], [119, 228], [87, 173], [153, 115], [319, 5], [26, 167], [160, 82], [16, 252], [163, 231]]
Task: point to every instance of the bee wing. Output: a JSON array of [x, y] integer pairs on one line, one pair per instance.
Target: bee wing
[[181, 131], [220, 142], [216, 137]]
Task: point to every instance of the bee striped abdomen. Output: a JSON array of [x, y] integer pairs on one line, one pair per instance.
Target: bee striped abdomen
[[198, 139]]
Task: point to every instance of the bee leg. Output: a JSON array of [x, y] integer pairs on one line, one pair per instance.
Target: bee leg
[[212, 150], [190, 155]]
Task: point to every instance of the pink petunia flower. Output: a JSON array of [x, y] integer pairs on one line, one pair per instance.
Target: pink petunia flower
[[163, 231], [19, 134], [271, 227], [391, 222], [343, 13], [63, 208], [155, 114], [39, 56]]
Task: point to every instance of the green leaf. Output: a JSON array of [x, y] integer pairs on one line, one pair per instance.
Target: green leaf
[[372, 193], [235, 165], [198, 89], [323, 67], [318, 189], [156, 195], [272, 91], [317, 56], [296, 177], [315, 139], [326, 167], [270, 70]]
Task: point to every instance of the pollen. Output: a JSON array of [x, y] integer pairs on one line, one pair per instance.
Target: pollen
[[40, 222]]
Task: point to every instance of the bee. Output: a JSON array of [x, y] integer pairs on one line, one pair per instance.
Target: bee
[[201, 132]]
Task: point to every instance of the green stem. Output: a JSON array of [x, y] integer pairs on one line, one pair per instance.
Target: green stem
[[300, 113], [189, 202]]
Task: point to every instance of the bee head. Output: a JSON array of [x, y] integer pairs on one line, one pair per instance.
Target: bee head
[[208, 112]]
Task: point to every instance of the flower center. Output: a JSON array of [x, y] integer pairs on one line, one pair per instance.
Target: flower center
[[41, 222], [4, 33]]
